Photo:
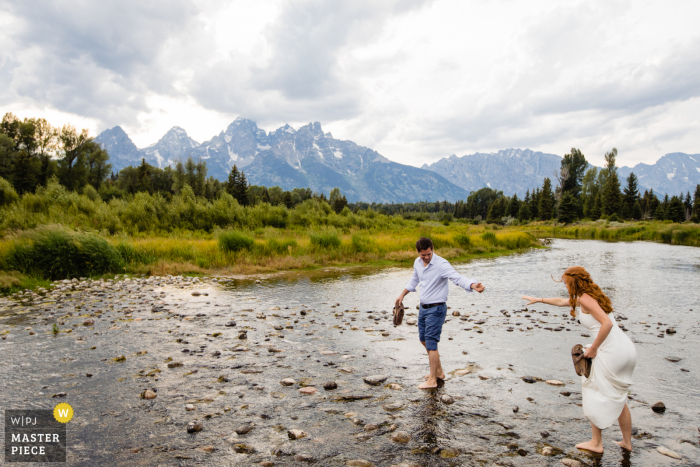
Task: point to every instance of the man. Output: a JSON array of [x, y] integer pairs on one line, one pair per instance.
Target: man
[[431, 272]]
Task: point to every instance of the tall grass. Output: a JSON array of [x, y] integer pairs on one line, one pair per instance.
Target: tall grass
[[232, 241], [55, 252], [665, 232]]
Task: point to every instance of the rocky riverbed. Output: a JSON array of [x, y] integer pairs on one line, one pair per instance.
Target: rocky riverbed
[[309, 370]]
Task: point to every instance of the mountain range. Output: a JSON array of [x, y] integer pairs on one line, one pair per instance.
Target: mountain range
[[308, 157]]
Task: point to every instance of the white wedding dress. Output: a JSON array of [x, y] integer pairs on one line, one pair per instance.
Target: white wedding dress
[[605, 391]]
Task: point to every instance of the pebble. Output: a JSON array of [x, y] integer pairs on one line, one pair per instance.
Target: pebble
[[393, 407], [244, 429], [196, 293], [174, 364], [401, 437], [659, 407], [296, 434], [674, 359], [547, 451], [375, 380], [456, 313], [359, 463], [308, 390], [190, 407], [231, 324], [88, 322], [148, 394], [411, 321], [208, 448], [194, 427], [328, 352], [395, 387], [571, 463], [554, 382], [330, 385], [304, 458], [483, 378], [667, 452], [670, 331], [529, 379], [370, 427], [447, 399]]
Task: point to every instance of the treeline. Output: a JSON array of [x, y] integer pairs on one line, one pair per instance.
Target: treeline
[[581, 193], [32, 152]]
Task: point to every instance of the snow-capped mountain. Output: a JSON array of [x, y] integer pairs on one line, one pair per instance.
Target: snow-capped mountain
[[122, 151], [509, 170], [310, 158], [173, 147], [517, 170], [673, 173], [289, 158]]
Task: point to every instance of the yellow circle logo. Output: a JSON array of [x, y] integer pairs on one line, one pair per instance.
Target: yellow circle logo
[[63, 412]]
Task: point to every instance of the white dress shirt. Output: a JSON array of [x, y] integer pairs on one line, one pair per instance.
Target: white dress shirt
[[433, 279]]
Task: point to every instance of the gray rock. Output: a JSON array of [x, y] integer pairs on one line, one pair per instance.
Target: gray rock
[[375, 380], [446, 399], [393, 407], [674, 359], [296, 434], [667, 452], [244, 429]]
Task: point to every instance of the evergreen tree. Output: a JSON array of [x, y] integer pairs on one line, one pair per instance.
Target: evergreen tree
[[688, 203], [589, 192], [661, 212], [637, 212], [337, 200], [534, 204], [179, 178], [242, 190], [567, 208], [597, 209], [513, 206], [288, 200], [696, 204], [497, 211], [546, 201], [524, 212], [631, 194], [143, 177], [24, 173], [232, 182], [676, 210], [612, 198], [266, 196]]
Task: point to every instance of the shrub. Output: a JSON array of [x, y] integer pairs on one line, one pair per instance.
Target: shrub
[[8, 195], [56, 252], [464, 241], [281, 246], [362, 244], [489, 237], [325, 240], [232, 241]]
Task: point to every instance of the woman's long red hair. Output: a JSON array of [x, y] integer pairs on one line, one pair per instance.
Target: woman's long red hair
[[579, 282]]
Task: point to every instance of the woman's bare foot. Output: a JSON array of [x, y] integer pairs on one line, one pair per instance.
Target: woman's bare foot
[[591, 446], [429, 384], [626, 447]]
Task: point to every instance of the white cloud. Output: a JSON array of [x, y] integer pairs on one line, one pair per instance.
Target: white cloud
[[415, 80]]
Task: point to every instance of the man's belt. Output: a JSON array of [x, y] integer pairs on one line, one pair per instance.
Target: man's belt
[[430, 305]]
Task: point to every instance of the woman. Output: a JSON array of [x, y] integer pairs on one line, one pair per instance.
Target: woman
[[613, 354]]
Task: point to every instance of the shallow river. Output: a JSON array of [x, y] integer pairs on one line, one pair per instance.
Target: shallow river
[[336, 326]]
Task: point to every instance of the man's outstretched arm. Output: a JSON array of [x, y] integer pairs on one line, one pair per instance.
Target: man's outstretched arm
[[449, 272]]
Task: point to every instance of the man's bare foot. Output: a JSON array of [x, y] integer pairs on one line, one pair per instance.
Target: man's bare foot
[[429, 384], [440, 376], [591, 446], [626, 447]]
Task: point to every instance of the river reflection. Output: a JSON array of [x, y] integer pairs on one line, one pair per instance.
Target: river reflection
[[496, 418]]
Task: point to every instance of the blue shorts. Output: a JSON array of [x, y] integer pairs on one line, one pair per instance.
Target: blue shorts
[[430, 321]]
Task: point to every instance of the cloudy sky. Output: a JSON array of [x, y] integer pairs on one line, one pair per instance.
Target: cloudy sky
[[417, 80]]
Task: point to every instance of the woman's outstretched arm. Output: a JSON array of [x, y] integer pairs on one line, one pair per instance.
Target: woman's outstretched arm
[[555, 301]]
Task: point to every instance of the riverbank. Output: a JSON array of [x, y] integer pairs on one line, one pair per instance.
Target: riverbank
[[659, 231], [249, 362], [30, 259]]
